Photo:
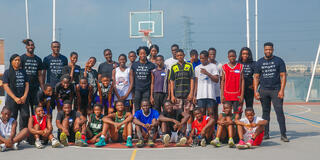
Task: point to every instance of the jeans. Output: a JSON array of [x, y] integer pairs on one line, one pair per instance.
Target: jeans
[[266, 97]]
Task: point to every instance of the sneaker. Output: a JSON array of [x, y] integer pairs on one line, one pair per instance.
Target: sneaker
[[195, 141], [242, 145], [140, 143], [64, 139], [231, 143], [101, 142], [3, 148], [55, 143], [166, 139], [215, 143], [284, 138], [15, 146], [78, 141], [266, 136], [129, 142], [150, 143], [203, 142], [250, 143], [182, 141], [38, 144]]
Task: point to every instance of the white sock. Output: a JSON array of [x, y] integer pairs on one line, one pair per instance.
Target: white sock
[[129, 137], [2, 145], [102, 136]]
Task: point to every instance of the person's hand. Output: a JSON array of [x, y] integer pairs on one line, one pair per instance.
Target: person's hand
[[117, 125], [222, 99], [190, 141], [176, 122], [257, 95], [173, 100], [222, 123], [190, 97], [64, 130], [204, 71], [194, 101], [251, 87], [203, 132], [8, 143], [17, 100], [148, 126], [241, 99], [87, 65], [281, 94], [151, 100], [23, 99], [253, 125]]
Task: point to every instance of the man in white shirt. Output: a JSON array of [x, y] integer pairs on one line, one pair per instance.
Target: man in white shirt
[[171, 61], [206, 75]]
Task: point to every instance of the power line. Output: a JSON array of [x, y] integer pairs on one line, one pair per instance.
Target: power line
[[187, 41]]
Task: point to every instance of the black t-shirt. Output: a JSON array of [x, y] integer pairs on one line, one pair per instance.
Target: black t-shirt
[[64, 93], [248, 70], [32, 65], [73, 115], [76, 73], [142, 75], [92, 77], [269, 70], [175, 114], [54, 66], [41, 97], [106, 68], [20, 84]]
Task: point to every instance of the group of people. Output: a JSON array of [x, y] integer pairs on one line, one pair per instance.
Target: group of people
[[149, 98]]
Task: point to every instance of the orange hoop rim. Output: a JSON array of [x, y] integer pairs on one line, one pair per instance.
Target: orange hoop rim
[[145, 32]]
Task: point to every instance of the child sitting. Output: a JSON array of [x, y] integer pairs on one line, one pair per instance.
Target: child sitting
[[70, 123], [119, 124], [104, 94], [41, 128], [8, 137], [95, 125], [225, 126], [250, 129], [202, 128], [146, 121]]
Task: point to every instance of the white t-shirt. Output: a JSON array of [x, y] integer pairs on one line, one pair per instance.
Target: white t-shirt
[[217, 85], [206, 87], [5, 129], [122, 82], [255, 120], [170, 62]]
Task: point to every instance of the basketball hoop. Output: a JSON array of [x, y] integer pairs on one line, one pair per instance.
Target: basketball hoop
[[146, 37]]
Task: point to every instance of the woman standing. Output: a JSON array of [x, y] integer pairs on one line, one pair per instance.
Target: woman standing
[[16, 85]]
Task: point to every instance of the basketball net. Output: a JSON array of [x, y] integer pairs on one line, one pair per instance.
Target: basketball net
[[146, 37]]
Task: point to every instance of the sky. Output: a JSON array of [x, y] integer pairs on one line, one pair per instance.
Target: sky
[[90, 26]]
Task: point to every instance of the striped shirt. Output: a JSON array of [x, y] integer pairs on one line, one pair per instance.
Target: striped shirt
[[181, 75]]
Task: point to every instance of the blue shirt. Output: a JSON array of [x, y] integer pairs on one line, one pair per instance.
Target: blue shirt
[[269, 70], [153, 114], [195, 64]]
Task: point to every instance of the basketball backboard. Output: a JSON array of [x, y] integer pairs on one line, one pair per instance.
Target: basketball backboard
[[146, 20]]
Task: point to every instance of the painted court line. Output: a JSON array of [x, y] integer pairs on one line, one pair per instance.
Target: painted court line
[[305, 122], [133, 155], [307, 109], [310, 120]]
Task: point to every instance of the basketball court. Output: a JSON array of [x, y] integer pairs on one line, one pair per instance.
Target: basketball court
[[303, 130]]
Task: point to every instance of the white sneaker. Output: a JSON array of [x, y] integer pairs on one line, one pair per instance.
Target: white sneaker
[[38, 144], [166, 139], [15, 146], [55, 143], [3, 147]]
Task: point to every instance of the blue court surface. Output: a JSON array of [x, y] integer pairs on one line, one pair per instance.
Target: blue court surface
[[303, 130]]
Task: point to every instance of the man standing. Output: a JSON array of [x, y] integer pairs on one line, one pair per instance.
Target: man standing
[[270, 73], [32, 64], [53, 64]]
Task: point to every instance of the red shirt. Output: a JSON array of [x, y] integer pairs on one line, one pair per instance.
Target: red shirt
[[42, 124], [232, 77], [200, 125]]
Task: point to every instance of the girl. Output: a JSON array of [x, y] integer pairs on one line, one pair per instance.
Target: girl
[[245, 58], [96, 127], [91, 74], [64, 90], [46, 99], [84, 92], [104, 94], [72, 69], [16, 85], [154, 50], [123, 82], [119, 124]]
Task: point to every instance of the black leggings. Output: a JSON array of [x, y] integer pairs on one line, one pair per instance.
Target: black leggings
[[139, 96], [24, 112], [248, 97], [32, 95]]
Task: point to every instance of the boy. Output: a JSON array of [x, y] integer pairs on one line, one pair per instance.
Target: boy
[[225, 126], [84, 93], [70, 123], [194, 58], [159, 84], [202, 128], [8, 137], [173, 121], [40, 127], [46, 99], [132, 58], [232, 83], [119, 124], [206, 75], [250, 129], [146, 121], [95, 126]]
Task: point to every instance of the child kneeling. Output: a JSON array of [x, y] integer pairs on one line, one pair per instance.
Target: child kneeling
[[40, 127]]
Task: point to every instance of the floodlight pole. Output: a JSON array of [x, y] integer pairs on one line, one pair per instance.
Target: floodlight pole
[[256, 27], [313, 73], [27, 19], [54, 20], [149, 43], [248, 27]]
